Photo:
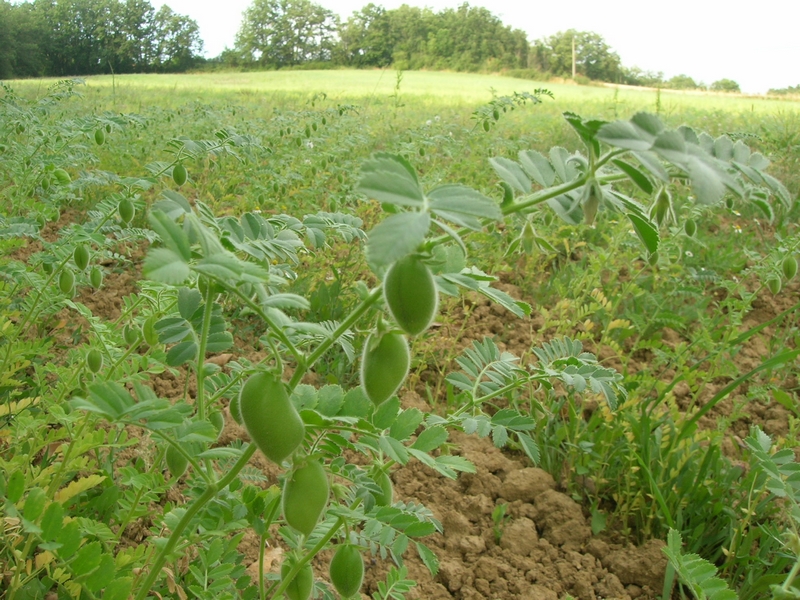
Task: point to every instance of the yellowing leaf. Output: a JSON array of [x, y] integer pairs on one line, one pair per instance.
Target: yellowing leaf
[[14, 407], [618, 323], [45, 558], [77, 487]]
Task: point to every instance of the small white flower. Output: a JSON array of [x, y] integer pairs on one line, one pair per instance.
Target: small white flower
[[688, 253], [737, 229], [428, 122], [437, 118], [310, 145]]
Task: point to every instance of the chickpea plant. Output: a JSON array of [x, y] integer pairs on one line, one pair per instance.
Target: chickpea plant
[[203, 267]]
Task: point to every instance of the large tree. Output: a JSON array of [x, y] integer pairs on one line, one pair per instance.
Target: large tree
[[365, 38], [594, 57], [21, 34], [178, 44], [87, 37], [281, 33]]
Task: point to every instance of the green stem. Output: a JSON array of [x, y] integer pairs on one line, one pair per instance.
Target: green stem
[[55, 483], [124, 523], [354, 316], [261, 545], [277, 330], [190, 513], [792, 574], [320, 545], [201, 353]]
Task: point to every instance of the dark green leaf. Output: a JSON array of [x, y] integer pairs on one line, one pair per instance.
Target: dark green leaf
[[723, 148], [119, 589], [181, 353], [356, 404], [221, 265], [430, 439], [103, 575], [15, 487], [330, 400], [304, 396], [646, 230], [189, 300], [390, 178], [406, 424], [537, 167], [567, 207], [51, 521], [587, 130], [455, 202], [511, 173], [671, 146], [428, 558], [706, 183], [393, 449], [87, 559], [639, 178], [70, 540], [172, 235], [624, 134], [164, 265], [529, 446], [650, 162], [386, 413], [34, 504], [397, 236]]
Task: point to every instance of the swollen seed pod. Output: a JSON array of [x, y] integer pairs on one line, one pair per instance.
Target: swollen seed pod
[[270, 417], [218, 421], [774, 285], [661, 212], [690, 227], [235, 409], [81, 257], [100, 137], [62, 176], [149, 331], [96, 277], [179, 174], [347, 570], [126, 210], [411, 295], [386, 497], [66, 281], [176, 462], [300, 587], [305, 495], [486, 126], [384, 367], [94, 360], [130, 334], [789, 267], [590, 203]]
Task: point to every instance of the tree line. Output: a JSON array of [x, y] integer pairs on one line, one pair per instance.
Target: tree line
[[87, 37], [289, 33]]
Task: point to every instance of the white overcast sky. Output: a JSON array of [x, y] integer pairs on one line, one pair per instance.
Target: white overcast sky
[[756, 44]]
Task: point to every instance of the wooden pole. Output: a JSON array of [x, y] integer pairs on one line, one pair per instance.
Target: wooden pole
[[573, 57]]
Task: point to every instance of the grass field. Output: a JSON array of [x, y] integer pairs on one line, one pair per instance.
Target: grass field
[[425, 87]]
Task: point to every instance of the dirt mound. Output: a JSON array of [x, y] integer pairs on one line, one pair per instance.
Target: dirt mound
[[542, 549]]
